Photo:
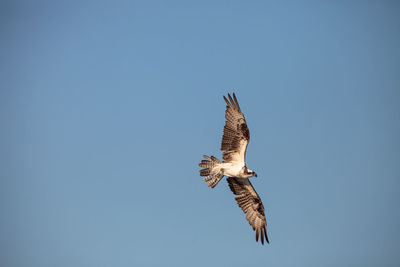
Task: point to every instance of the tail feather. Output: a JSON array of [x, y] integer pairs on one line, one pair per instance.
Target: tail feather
[[213, 180], [211, 170]]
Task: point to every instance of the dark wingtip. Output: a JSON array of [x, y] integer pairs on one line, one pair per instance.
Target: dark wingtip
[[226, 100], [266, 236], [257, 233], [236, 102], [262, 236], [233, 104]]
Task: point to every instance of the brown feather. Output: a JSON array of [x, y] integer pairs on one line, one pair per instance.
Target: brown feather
[[257, 232], [232, 102], [237, 103], [249, 201], [236, 133], [266, 236], [262, 236], [227, 102]]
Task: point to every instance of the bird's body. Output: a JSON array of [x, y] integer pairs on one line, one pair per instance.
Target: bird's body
[[234, 143], [233, 169]]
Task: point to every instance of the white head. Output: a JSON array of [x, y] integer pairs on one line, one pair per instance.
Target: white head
[[250, 173]]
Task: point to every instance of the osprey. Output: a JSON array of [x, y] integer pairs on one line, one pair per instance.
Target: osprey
[[234, 143]]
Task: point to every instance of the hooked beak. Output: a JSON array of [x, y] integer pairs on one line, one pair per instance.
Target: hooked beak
[[255, 174]]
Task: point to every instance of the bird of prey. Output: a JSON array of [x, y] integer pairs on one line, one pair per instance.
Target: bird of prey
[[234, 143]]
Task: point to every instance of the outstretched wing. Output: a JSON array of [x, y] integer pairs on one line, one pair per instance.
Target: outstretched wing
[[250, 202], [236, 134]]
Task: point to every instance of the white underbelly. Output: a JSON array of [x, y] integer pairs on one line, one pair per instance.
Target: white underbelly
[[231, 169]]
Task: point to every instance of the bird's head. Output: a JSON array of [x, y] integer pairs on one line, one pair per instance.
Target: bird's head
[[252, 173]]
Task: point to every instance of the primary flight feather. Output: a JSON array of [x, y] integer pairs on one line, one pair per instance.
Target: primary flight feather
[[234, 143]]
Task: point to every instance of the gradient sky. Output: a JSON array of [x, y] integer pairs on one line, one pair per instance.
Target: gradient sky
[[107, 107]]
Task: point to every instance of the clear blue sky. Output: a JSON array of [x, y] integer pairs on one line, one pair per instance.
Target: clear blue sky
[[107, 107]]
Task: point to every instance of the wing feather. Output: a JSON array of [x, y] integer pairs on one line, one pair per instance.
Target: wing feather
[[236, 133], [250, 202]]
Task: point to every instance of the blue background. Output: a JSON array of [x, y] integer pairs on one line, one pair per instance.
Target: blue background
[[107, 107]]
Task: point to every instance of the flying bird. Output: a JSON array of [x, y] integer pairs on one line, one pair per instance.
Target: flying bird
[[235, 139]]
